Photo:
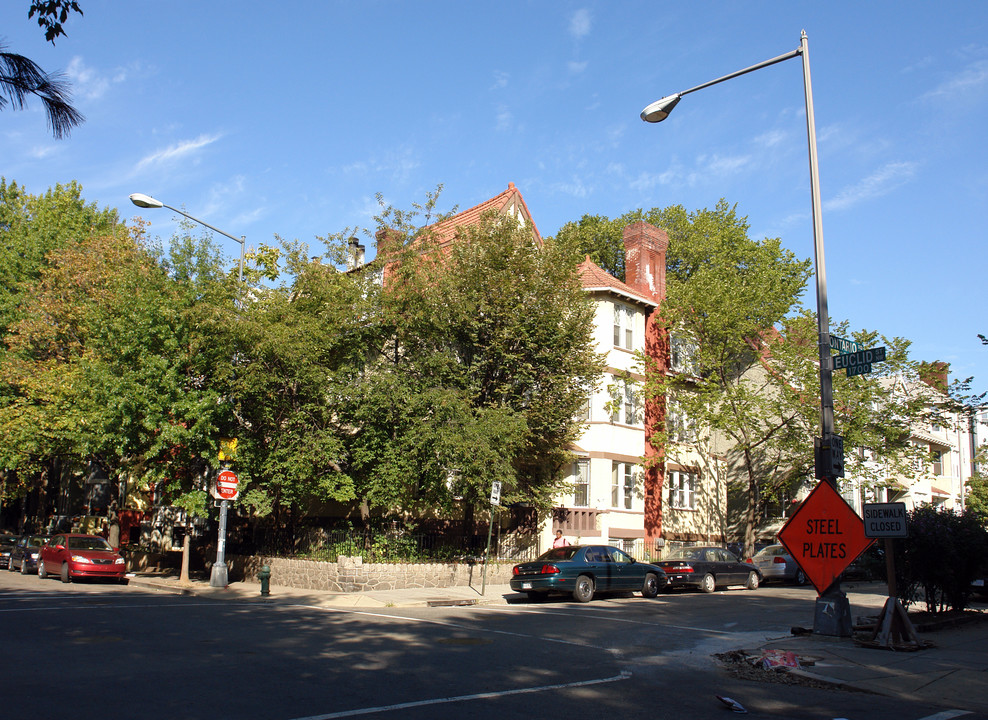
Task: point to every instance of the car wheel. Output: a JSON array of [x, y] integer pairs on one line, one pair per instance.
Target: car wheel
[[66, 575], [707, 583], [800, 577], [10, 566], [651, 586], [583, 591], [23, 568], [42, 573], [752, 583]]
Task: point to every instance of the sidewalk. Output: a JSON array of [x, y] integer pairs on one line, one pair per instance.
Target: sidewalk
[[414, 597], [952, 673]]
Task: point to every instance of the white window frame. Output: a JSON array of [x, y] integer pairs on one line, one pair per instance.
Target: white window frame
[[682, 489], [623, 484], [581, 482], [624, 326]]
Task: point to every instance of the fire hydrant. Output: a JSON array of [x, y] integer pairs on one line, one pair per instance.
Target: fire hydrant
[[264, 575]]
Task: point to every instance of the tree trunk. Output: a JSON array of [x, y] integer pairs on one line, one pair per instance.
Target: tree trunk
[[183, 578], [750, 511]]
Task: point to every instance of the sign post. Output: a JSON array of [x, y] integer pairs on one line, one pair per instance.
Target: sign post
[[888, 521], [226, 490], [495, 502], [824, 536]]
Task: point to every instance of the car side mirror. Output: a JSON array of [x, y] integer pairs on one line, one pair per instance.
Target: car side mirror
[[59, 547]]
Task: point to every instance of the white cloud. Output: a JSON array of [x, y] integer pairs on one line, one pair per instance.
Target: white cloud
[[577, 67], [398, 164], [504, 118], [500, 80], [579, 23], [967, 80], [879, 183], [85, 80], [575, 187], [178, 150], [719, 166], [771, 138]]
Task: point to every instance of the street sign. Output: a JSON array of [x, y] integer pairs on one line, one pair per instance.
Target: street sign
[[829, 458], [884, 520], [496, 493], [855, 362], [226, 486], [824, 536], [843, 345]]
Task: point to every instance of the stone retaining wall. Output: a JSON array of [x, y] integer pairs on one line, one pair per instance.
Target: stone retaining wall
[[352, 574]]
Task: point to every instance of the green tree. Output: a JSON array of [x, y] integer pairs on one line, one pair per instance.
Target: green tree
[[21, 78], [599, 238], [31, 226], [110, 362], [486, 353]]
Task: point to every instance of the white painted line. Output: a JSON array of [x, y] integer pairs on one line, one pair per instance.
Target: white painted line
[[465, 698]]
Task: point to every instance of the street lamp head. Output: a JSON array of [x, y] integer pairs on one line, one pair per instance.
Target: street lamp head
[[145, 201], [660, 109]]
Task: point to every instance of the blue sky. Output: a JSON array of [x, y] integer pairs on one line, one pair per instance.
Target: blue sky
[[264, 118]]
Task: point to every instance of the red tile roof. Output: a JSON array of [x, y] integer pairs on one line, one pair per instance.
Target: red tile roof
[[596, 278], [509, 202]]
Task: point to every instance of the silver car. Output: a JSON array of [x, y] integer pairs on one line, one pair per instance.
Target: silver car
[[776, 563]]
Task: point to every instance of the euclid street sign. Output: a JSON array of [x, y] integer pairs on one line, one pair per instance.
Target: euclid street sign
[[824, 536], [859, 363]]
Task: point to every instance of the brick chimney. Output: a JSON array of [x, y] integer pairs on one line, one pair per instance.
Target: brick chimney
[[645, 271], [645, 259]]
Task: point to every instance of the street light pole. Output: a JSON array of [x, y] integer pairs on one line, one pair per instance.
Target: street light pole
[[219, 575], [837, 606]]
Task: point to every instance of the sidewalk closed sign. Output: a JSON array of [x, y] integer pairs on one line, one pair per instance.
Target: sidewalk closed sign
[[884, 520]]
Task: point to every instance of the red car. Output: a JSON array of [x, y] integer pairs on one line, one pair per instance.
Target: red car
[[80, 556]]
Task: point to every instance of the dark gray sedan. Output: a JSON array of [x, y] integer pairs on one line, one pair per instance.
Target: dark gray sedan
[[24, 555], [708, 568]]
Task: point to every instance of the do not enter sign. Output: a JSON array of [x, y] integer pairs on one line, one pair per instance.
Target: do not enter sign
[[226, 485], [824, 536]]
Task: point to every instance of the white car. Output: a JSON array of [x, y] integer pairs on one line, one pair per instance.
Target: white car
[[776, 563]]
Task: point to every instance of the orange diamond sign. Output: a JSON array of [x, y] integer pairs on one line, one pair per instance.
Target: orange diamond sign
[[824, 536]]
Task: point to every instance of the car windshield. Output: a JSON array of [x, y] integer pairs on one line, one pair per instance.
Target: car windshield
[[560, 553], [36, 540], [88, 543]]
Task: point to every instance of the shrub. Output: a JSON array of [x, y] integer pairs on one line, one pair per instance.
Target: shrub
[[942, 554]]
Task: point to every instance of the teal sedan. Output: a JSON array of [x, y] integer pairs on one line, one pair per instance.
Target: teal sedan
[[584, 571]]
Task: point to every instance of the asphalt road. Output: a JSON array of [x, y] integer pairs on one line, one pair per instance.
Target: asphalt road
[[85, 650]]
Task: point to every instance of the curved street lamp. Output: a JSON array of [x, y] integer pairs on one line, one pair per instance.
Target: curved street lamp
[[218, 576], [659, 111]]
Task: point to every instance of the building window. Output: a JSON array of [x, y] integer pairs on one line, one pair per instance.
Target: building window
[[581, 483], [681, 354], [583, 414], [624, 326], [624, 402], [622, 485], [937, 462], [682, 489], [679, 425]]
